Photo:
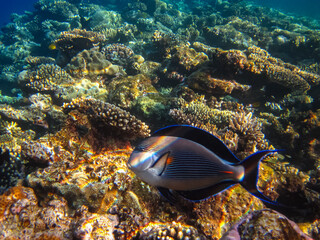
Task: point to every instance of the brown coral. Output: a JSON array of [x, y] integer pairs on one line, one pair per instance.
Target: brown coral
[[123, 91], [46, 77], [203, 81], [118, 53], [74, 41], [112, 117], [37, 153], [258, 225], [249, 130], [91, 62], [23, 218], [187, 58]]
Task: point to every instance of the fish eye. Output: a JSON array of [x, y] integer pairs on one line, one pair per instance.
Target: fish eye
[[141, 148]]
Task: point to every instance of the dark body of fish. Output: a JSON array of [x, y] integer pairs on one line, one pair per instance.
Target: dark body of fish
[[193, 163]]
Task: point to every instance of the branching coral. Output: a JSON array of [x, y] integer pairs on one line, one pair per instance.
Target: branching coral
[[36, 61], [112, 117], [249, 130], [46, 77]]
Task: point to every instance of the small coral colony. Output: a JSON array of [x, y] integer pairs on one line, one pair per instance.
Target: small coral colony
[[83, 82]]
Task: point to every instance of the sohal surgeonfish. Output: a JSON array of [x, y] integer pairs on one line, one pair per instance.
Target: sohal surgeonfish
[[194, 164]]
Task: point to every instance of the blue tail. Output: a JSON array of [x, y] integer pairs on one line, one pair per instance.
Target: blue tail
[[251, 166]]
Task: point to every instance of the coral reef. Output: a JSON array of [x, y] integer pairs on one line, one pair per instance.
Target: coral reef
[[282, 227], [123, 91], [118, 54], [112, 117], [202, 81], [46, 77], [92, 63], [72, 42], [22, 217], [76, 77]]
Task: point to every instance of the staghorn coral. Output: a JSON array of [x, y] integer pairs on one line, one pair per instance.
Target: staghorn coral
[[112, 117], [46, 77], [92, 63]]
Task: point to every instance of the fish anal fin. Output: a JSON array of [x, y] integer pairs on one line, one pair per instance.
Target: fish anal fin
[[201, 194], [167, 194]]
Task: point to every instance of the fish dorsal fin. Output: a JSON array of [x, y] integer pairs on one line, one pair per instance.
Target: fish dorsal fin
[[160, 165], [200, 136]]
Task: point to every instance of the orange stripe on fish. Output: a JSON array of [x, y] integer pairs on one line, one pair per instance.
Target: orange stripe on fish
[[169, 160], [230, 172]]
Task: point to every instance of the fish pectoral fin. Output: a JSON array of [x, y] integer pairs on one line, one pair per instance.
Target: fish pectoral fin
[[204, 193], [167, 194], [160, 165]]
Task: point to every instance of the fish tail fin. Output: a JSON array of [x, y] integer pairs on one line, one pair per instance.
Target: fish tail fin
[[251, 166]]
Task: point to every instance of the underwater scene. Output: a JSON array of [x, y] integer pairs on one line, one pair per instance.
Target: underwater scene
[[160, 119]]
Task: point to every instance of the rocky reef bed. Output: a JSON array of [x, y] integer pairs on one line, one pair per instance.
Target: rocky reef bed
[[88, 80]]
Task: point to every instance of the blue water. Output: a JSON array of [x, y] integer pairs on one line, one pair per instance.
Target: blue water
[[14, 6], [309, 8]]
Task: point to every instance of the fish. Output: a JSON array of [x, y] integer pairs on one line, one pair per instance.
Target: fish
[[52, 46], [182, 160]]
